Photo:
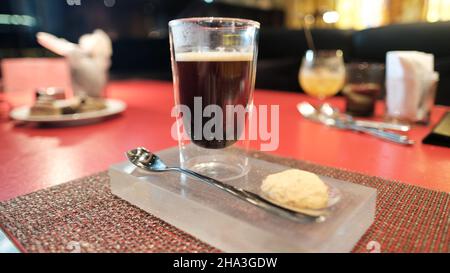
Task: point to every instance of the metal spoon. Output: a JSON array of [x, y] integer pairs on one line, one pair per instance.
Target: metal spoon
[[329, 110], [144, 159], [310, 112]]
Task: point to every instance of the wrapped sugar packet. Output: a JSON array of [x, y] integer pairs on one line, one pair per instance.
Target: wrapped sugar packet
[[89, 60], [411, 84]]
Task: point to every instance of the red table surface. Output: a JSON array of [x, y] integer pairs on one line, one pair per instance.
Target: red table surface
[[35, 158]]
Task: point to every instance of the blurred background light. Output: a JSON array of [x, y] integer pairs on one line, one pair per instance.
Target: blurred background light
[[17, 20], [109, 3], [331, 17]]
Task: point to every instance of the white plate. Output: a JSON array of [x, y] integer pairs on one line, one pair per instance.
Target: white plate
[[113, 107]]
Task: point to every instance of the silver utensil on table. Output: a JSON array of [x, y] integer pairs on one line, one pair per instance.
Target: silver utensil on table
[[311, 113], [331, 111], [146, 160]]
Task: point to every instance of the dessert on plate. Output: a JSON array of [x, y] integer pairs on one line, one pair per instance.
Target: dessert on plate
[[53, 102], [296, 189]]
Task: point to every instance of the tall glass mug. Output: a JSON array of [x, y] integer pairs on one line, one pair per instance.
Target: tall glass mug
[[214, 67]]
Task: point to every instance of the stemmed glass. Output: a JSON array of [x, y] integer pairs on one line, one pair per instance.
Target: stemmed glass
[[322, 74]]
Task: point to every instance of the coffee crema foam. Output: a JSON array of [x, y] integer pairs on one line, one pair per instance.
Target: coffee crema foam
[[214, 56]]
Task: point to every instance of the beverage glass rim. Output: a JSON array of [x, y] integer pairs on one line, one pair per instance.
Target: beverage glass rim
[[246, 22]]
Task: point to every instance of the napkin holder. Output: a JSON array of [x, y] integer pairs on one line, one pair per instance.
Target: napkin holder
[[89, 60], [411, 85]]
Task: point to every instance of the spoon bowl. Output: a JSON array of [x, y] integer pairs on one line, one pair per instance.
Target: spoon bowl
[[307, 110], [145, 159]]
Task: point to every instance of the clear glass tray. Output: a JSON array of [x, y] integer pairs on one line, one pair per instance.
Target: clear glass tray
[[232, 225]]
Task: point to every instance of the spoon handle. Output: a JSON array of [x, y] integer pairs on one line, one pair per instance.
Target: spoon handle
[[244, 195], [389, 136], [382, 125]]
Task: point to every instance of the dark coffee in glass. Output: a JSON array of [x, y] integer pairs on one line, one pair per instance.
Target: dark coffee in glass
[[221, 79]]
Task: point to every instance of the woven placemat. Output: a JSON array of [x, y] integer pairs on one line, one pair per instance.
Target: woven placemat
[[84, 216]]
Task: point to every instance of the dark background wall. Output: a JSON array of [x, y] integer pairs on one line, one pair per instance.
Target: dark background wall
[[139, 32], [124, 20]]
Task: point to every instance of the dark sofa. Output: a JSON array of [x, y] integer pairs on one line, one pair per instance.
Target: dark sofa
[[281, 51]]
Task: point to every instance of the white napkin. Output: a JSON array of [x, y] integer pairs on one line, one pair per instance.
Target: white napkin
[[89, 60], [410, 79]]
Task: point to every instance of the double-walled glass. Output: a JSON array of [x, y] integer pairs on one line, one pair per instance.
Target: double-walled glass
[[214, 67]]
